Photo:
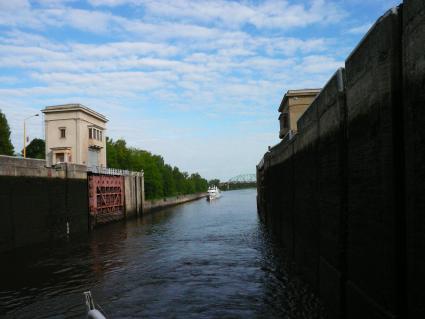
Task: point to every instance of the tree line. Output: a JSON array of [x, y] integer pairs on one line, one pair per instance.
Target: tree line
[[161, 179]]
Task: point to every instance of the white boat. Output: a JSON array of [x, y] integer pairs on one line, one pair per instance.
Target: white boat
[[213, 193]]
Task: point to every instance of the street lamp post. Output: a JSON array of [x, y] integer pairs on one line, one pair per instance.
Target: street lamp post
[[25, 134]]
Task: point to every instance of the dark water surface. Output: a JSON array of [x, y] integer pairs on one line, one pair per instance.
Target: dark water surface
[[198, 260]]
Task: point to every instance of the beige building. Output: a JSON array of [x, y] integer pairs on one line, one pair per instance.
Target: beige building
[[75, 134], [293, 105]]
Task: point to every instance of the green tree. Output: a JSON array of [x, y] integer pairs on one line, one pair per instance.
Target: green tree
[[168, 181], [6, 147], [161, 180], [153, 180], [214, 182], [36, 149]]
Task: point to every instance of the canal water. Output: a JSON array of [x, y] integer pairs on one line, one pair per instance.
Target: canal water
[[197, 260]]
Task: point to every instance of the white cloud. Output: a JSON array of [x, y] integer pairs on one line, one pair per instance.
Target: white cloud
[[168, 71], [92, 21], [268, 14], [54, 3], [16, 5], [292, 46], [111, 3], [319, 64], [116, 49], [361, 29]]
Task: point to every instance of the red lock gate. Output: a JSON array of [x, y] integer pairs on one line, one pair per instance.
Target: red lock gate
[[106, 198]]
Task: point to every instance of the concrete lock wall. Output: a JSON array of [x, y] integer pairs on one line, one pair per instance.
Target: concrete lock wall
[[331, 192], [40, 203], [373, 86], [345, 196], [305, 216], [133, 194], [414, 145], [36, 208], [154, 204]]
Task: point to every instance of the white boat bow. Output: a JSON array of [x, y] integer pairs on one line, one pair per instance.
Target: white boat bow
[[213, 193]]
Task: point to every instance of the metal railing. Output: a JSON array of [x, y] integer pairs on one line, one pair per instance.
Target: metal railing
[[111, 171]]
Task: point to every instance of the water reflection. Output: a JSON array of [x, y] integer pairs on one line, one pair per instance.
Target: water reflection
[[199, 260]]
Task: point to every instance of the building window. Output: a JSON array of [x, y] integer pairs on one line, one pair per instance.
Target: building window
[[60, 157], [95, 134], [62, 132]]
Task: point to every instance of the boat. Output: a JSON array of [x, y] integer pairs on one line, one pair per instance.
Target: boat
[[92, 312], [213, 193]]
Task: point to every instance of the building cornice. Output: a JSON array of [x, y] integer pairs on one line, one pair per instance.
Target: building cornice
[[297, 93], [73, 108]]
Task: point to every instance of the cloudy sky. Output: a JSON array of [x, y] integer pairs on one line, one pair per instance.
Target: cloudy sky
[[198, 82]]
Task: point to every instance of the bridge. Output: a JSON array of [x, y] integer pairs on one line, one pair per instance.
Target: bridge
[[239, 182], [243, 178]]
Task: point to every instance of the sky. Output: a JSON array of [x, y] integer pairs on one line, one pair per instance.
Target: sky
[[198, 82]]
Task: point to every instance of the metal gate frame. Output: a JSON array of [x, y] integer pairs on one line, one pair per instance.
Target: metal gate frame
[[106, 198]]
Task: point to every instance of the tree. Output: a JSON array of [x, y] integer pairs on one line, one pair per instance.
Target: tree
[[36, 149], [214, 182], [168, 181], [6, 147], [161, 180]]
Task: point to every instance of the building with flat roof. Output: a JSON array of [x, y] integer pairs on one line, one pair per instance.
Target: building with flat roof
[[293, 105], [75, 133]]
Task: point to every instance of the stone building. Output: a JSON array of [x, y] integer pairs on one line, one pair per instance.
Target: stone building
[[75, 134], [293, 105]]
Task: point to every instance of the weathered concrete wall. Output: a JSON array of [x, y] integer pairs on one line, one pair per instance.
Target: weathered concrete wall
[[133, 194], [35, 208], [306, 215], [331, 192], [373, 86], [40, 203], [414, 129], [170, 201], [17, 166], [347, 191], [302, 184]]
